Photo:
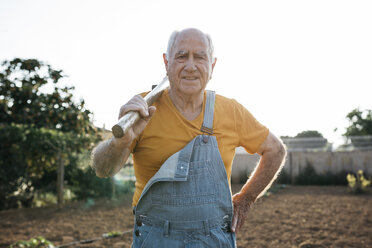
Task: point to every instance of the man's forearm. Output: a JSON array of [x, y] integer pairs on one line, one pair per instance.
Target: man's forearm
[[109, 157], [264, 174]]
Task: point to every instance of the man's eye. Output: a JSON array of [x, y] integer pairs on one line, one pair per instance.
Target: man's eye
[[200, 56]]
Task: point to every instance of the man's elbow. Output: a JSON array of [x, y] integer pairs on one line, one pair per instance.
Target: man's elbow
[[97, 165], [279, 150], [102, 170], [100, 174]]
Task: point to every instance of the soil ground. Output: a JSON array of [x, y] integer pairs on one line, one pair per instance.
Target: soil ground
[[296, 216]]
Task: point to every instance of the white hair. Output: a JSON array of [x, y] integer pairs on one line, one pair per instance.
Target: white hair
[[172, 40]]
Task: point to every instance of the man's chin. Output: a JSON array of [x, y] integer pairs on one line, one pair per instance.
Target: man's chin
[[191, 90]]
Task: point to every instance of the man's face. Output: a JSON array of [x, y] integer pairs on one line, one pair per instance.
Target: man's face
[[189, 66]]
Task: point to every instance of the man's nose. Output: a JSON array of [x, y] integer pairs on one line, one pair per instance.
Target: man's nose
[[190, 65]]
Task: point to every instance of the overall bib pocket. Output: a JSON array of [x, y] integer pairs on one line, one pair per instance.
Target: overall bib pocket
[[199, 188]]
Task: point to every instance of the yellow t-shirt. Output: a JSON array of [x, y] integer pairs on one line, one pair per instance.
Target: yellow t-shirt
[[169, 131]]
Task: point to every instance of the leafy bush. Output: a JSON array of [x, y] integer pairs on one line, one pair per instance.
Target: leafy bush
[[45, 198], [125, 187], [39, 242], [357, 184], [85, 184], [28, 161]]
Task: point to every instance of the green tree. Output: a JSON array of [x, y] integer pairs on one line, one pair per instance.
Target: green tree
[[360, 123], [309, 134], [37, 124], [23, 99]]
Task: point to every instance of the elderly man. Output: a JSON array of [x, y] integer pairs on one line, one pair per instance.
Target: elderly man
[[183, 148]]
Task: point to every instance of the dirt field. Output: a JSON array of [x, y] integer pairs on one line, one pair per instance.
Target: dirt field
[[297, 216]]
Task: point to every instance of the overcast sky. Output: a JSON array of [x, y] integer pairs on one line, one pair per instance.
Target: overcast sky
[[296, 65]]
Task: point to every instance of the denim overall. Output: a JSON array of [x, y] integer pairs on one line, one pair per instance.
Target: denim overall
[[187, 203]]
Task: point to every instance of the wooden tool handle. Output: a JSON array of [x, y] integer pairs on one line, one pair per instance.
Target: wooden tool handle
[[127, 120]]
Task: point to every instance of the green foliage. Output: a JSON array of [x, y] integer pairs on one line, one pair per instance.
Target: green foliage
[[357, 183], [309, 134], [39, 242], [112, 234], [305, 134], [45, 198], [38, 129], [85, 184], [125, 187], [29, 156], [360, 123], [24, 101]]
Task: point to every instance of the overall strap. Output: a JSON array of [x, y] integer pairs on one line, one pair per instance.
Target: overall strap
[[207, 126]]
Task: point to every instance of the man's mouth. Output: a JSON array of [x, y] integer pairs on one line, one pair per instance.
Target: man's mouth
[[190, 78]]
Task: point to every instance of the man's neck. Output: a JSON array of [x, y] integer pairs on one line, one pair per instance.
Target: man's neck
[[190, 106]]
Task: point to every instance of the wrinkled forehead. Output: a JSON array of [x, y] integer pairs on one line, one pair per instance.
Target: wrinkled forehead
[[191, 41]]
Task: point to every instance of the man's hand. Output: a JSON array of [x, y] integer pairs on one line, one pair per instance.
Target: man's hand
[[241, 209], [137, 103]]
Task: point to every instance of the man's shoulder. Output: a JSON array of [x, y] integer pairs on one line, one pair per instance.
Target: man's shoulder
[[225, 106], [220, 99]]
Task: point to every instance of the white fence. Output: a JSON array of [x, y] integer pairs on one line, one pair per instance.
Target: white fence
[[324, 162]]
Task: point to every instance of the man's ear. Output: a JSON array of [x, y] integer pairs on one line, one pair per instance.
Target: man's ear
[[165, 61], [213, 64]]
